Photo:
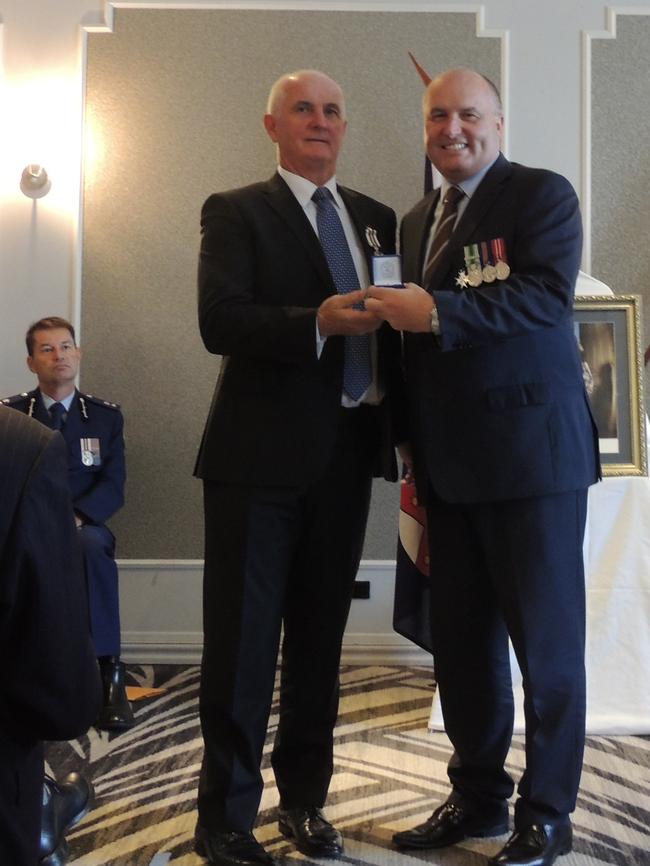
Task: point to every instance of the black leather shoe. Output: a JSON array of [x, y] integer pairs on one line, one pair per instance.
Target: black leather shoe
[[64, 804], [451, 823], [535, 845], [230, 848], [311, 832], [116, 713]]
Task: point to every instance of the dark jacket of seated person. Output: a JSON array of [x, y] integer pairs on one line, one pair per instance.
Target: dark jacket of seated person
[[50, 688]]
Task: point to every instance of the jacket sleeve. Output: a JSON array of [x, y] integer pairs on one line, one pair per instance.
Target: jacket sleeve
[[51, 686]]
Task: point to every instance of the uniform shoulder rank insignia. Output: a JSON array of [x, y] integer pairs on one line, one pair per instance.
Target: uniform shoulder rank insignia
[[19, 401], [17, 398], [90, 398]]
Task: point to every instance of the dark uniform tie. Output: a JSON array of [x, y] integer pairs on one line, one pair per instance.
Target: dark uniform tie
[[357, 370], [443, 232], [57, 411]]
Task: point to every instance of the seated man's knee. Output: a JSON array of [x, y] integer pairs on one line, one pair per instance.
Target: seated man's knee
[[96, 541]]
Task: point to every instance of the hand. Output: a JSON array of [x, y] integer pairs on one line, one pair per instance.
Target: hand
[[405, 452], [336, 315], [407, 309]]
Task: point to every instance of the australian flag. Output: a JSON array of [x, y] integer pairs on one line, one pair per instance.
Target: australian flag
[[412, 605]]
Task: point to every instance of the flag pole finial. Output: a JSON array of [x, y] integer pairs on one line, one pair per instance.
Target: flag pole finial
[[426, 78]]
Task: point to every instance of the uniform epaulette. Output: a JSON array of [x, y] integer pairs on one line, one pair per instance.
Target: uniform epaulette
[[17, 398], [99, 402]]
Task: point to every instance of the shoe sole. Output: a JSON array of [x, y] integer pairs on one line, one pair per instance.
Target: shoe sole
[[493, 861], [331, 853], [202, 851], [484, 833]]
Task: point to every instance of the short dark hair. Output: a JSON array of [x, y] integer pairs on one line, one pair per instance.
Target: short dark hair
[[47, 324]]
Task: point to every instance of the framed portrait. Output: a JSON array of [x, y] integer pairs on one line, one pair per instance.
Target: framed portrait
[[608, 331]]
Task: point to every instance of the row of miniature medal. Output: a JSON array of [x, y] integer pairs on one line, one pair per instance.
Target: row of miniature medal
[[485, 263]]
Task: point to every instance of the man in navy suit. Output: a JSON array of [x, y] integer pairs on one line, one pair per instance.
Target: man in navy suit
[[50, 684], [286, 460], [503, 449], [92, 429]]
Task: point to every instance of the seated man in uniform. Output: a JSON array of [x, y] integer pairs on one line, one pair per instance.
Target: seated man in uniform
[[92, 430]]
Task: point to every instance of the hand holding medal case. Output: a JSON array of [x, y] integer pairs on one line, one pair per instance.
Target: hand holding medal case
[[386, 270]]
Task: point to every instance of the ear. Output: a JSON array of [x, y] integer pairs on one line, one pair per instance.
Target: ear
[[30, 363], [500, 125], [269, 126]]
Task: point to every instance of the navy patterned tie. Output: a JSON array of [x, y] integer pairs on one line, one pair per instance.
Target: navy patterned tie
[[357, 370], [57, 410]]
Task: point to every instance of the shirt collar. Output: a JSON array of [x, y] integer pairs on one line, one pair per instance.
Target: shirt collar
[[303, 189], [468, 186], [50, 401]]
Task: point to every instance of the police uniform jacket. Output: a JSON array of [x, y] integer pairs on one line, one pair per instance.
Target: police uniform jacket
[[93, 432]]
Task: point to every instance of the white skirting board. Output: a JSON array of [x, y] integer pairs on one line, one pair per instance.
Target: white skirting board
[[161, 619], [160, 602]]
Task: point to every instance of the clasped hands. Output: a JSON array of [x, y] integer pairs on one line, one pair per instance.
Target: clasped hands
[[405, 309]]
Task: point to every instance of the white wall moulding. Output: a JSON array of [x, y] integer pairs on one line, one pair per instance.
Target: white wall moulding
[[161, 615], [611, 14]]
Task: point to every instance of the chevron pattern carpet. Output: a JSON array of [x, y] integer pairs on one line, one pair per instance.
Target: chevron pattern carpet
[[389, 773]]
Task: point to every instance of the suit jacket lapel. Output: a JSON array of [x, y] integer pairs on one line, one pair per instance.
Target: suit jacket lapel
[[71, 429], [488, 190], [284, 203], [418, 236], [360, 221], [39, 412]]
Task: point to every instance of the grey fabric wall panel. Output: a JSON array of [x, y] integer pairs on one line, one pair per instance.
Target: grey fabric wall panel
[[174, 104], [621, 162]]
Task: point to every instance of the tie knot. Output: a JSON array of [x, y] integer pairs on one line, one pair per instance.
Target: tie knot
[[453, 196], [321, 195], [57, 411]]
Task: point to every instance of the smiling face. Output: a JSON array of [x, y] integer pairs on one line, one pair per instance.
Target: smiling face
[[55, 361], [463, 124], [306, 120]]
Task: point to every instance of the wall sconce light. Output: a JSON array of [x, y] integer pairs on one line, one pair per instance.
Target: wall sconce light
[[34, 182]]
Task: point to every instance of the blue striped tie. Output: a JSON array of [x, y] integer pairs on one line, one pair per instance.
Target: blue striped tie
[[357, 369]]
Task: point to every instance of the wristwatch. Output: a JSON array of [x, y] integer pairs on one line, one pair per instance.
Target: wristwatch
[[435, 321]]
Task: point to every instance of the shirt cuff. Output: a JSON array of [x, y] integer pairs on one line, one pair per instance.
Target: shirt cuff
[[320, 341]]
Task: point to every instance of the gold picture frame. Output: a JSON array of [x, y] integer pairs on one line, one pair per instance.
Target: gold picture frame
[[608, 330]]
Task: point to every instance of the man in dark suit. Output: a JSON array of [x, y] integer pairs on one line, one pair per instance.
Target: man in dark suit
[[504, 448], [92, 429], [50, 686], [287, 457]]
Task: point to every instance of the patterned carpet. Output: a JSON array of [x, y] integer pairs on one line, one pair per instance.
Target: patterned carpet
[[389, 773]]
